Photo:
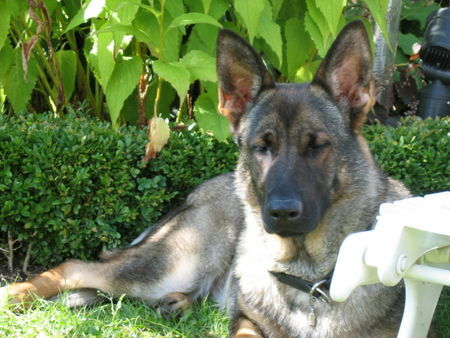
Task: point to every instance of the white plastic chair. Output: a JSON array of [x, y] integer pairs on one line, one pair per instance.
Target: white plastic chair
[[410, 241]]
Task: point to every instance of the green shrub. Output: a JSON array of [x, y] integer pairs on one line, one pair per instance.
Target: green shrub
[[416, 152], [73, 186], [189, 159]]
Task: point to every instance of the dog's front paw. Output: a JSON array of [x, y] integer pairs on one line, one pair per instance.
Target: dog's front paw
[[16, 294], [246, 329], [4, 296], [173, 304]]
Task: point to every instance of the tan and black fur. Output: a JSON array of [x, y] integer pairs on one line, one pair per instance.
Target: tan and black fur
[[305, 180]]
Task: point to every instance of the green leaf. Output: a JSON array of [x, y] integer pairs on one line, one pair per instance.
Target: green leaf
[[194, 6], [148, 24], [206, 4], [101, 57], [193, 18], [124, 11], [332, 11], [173, 8], [208, 119], [200, 65], [307, 71], [250, 12], [17, 88], [406, 41], [218, 8], [203, 38], [123, 80], [152, 10], [71, 7], [176, 74], [299, 46], [90, 9], [291, 9], [51, 5], [378, 10], [129, 111], [314, 15], [171, 46], [166, 99], [4, 23], [140, 35], [418, 11], [2, 107], [16, 7], [6, 58], [270, 32], [315, 34], [67, 60], [276, 6]]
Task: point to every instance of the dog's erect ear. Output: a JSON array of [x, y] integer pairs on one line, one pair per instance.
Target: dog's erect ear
[[346, 73], [242, 76]]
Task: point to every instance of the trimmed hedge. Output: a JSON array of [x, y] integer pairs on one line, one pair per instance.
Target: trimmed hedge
[[73, 186], [416, 152]]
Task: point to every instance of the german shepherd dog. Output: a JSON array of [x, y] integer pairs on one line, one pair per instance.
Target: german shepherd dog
[[263, 241]]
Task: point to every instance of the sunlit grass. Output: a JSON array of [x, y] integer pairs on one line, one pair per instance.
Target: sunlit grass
[[120, 318], [130, 318]]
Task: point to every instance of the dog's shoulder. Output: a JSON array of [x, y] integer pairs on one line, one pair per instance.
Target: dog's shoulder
[[396, 190], [219, 190]]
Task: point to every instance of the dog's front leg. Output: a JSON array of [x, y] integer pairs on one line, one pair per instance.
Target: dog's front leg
[[70, 275]]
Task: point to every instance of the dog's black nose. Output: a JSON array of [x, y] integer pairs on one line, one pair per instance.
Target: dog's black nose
[[283, 216], [284, 210]]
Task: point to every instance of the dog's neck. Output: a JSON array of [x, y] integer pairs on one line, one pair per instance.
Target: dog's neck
[[318, 289]]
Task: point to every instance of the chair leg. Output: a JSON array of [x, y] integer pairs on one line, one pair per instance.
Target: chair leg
[[421, 300]]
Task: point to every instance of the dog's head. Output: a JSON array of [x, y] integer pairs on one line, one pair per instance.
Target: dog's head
[[296, 140]]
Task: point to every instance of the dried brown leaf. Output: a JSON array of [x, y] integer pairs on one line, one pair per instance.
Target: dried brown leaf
[[159, 133]]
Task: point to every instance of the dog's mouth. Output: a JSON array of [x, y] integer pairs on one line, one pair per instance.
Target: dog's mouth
[[287, 234]]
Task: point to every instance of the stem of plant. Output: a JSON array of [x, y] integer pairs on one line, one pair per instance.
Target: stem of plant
[[40, 54], [83, 82], [11, 242], [26, 261], [157, 98], [160, 56]]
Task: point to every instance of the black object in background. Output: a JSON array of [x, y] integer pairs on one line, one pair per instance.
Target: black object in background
[[435, 54]]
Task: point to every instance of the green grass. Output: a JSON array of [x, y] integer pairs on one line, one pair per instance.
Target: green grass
[[122, 318], [131, 318]]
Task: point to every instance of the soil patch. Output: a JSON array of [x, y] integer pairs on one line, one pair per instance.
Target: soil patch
[[17, 275]]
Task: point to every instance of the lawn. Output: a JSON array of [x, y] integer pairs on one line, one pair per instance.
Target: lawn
[[131, 318], [119, 318]]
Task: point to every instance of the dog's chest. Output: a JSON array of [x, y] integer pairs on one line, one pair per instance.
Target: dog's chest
[[287, 307]]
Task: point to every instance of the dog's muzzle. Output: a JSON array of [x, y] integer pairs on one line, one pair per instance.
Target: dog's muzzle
[[282, 217]]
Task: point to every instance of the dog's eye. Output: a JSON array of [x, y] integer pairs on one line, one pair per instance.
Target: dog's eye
[[260, 149], [263, 144], [321, 145], [317, 143]]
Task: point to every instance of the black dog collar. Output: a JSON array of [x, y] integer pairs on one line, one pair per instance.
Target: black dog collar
[[318, 289]]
